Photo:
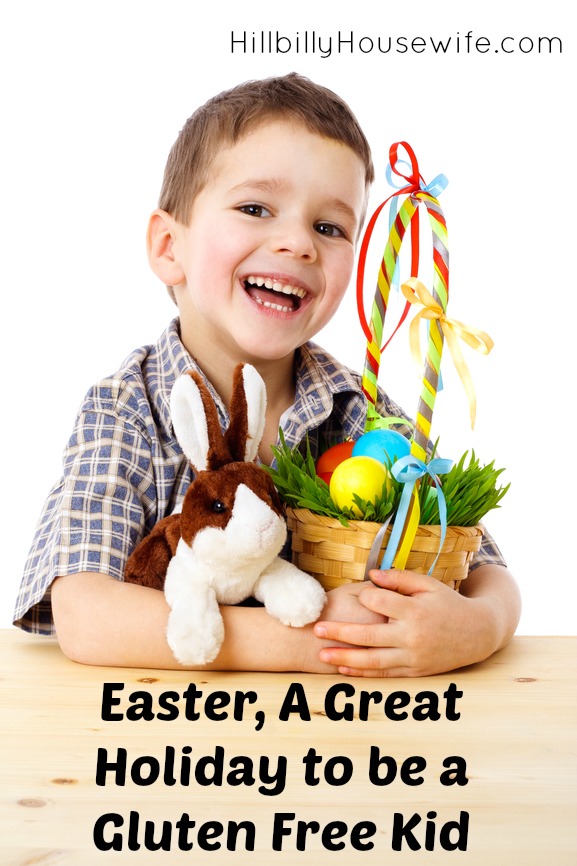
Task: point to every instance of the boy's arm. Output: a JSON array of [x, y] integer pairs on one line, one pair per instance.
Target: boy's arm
[[103, 621], [430, 629]]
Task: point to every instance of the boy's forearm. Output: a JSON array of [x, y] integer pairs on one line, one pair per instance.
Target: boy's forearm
[[495, 588], [102, 621]]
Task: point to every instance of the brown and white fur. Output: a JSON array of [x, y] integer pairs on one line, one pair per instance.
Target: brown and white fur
[[223, 546]]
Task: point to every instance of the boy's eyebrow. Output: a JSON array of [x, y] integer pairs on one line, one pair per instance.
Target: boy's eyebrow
[[273, 184], [278, 185]]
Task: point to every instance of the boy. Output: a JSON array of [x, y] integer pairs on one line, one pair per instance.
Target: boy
[[263, 200]]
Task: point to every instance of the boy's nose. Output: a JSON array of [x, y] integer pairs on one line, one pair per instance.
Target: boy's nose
[[296, 239]]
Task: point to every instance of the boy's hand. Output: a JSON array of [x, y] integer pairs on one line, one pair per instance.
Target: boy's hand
[[426, 628], [343, 606]]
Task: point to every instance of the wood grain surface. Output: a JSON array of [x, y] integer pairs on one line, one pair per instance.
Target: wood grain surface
[[514, 727]]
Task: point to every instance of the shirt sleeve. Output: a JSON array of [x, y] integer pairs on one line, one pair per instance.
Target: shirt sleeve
[[94, 517], [489, 553]]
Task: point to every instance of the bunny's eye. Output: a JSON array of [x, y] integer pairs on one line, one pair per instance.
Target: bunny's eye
[[218, 506]]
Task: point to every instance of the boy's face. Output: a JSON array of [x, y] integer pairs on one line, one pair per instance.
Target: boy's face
[[269, 250]]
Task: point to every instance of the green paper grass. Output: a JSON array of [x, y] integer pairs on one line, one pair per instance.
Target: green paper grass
[[471, 490], [299, 486]]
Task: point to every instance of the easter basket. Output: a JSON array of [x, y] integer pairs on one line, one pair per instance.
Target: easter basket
[[425, 514], [337, 554]]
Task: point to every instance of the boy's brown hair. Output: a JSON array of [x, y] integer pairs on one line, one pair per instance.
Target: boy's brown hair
[[227, 117]]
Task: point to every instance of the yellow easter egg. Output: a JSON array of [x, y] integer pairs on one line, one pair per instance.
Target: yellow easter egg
[[363, 476]]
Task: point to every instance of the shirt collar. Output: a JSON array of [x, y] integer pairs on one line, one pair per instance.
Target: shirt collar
[[320, 378], [320, 382], [172, 360]]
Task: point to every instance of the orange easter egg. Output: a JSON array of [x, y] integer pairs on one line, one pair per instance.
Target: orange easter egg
[[330, 459]]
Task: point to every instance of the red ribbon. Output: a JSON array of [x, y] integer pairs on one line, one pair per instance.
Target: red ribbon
[[413, 185]]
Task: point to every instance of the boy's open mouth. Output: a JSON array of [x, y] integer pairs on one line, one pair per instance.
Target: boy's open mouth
[[273, 294]]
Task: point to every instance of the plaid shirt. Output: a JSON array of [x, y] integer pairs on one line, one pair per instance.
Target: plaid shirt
[[124, 470]]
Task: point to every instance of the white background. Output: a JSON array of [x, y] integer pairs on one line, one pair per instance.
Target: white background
[[93, 95]]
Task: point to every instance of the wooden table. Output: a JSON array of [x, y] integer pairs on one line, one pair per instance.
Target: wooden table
[[511, 737]]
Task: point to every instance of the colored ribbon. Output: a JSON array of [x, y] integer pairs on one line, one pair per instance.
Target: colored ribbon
[[375, 421], [374, 332], [417, 192], [409, 470], [393, 208], [416, 293], [373, 557], [440, 292], [397, 227], [434, 188]]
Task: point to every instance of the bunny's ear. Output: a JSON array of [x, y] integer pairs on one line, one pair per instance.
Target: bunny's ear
[[255, 394], [247, 413], [196, 424]]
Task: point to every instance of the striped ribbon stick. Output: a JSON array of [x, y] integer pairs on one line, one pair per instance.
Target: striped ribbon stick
[[417, 193], [440, 293], [430, 382], [380, 303]]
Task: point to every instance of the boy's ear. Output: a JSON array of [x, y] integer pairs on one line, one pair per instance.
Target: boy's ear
[[160, 238]]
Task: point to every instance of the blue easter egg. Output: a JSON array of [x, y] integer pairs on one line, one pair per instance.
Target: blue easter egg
[[384, 445]]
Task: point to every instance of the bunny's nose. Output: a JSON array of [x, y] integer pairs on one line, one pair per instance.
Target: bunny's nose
[[259, 522]]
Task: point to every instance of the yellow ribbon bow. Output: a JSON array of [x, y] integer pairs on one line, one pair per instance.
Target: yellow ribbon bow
[[415, 292]]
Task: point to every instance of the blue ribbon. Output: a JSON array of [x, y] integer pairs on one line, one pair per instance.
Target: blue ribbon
[[436, 186], [408, 470]]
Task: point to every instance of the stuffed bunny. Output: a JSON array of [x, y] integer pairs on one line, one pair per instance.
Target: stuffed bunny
[[224, 544]]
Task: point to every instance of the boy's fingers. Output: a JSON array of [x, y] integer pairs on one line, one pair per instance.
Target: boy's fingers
[[404, 582], [364, 662], [388, 603], [393, 593], [392, 672], [352, 633]]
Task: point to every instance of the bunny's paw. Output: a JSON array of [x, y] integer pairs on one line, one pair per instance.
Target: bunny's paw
[[290, 595], [304, 609], [194, 641]]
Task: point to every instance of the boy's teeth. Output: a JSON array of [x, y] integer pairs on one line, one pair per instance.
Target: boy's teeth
[[274, 306], [276, 286]]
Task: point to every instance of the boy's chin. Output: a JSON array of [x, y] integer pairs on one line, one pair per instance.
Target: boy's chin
[[262, 352], [267, 342]]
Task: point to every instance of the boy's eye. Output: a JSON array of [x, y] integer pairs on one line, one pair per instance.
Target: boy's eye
[[255, 210], [330, 230]]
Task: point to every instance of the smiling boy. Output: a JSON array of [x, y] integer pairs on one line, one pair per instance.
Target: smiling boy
[[266, 256], [263, 199]]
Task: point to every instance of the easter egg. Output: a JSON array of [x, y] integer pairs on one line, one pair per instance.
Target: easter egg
[[330, 459], [384, 445], [363, 476]]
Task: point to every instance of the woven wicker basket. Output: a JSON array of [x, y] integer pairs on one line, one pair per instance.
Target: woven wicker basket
[[337, 554]]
